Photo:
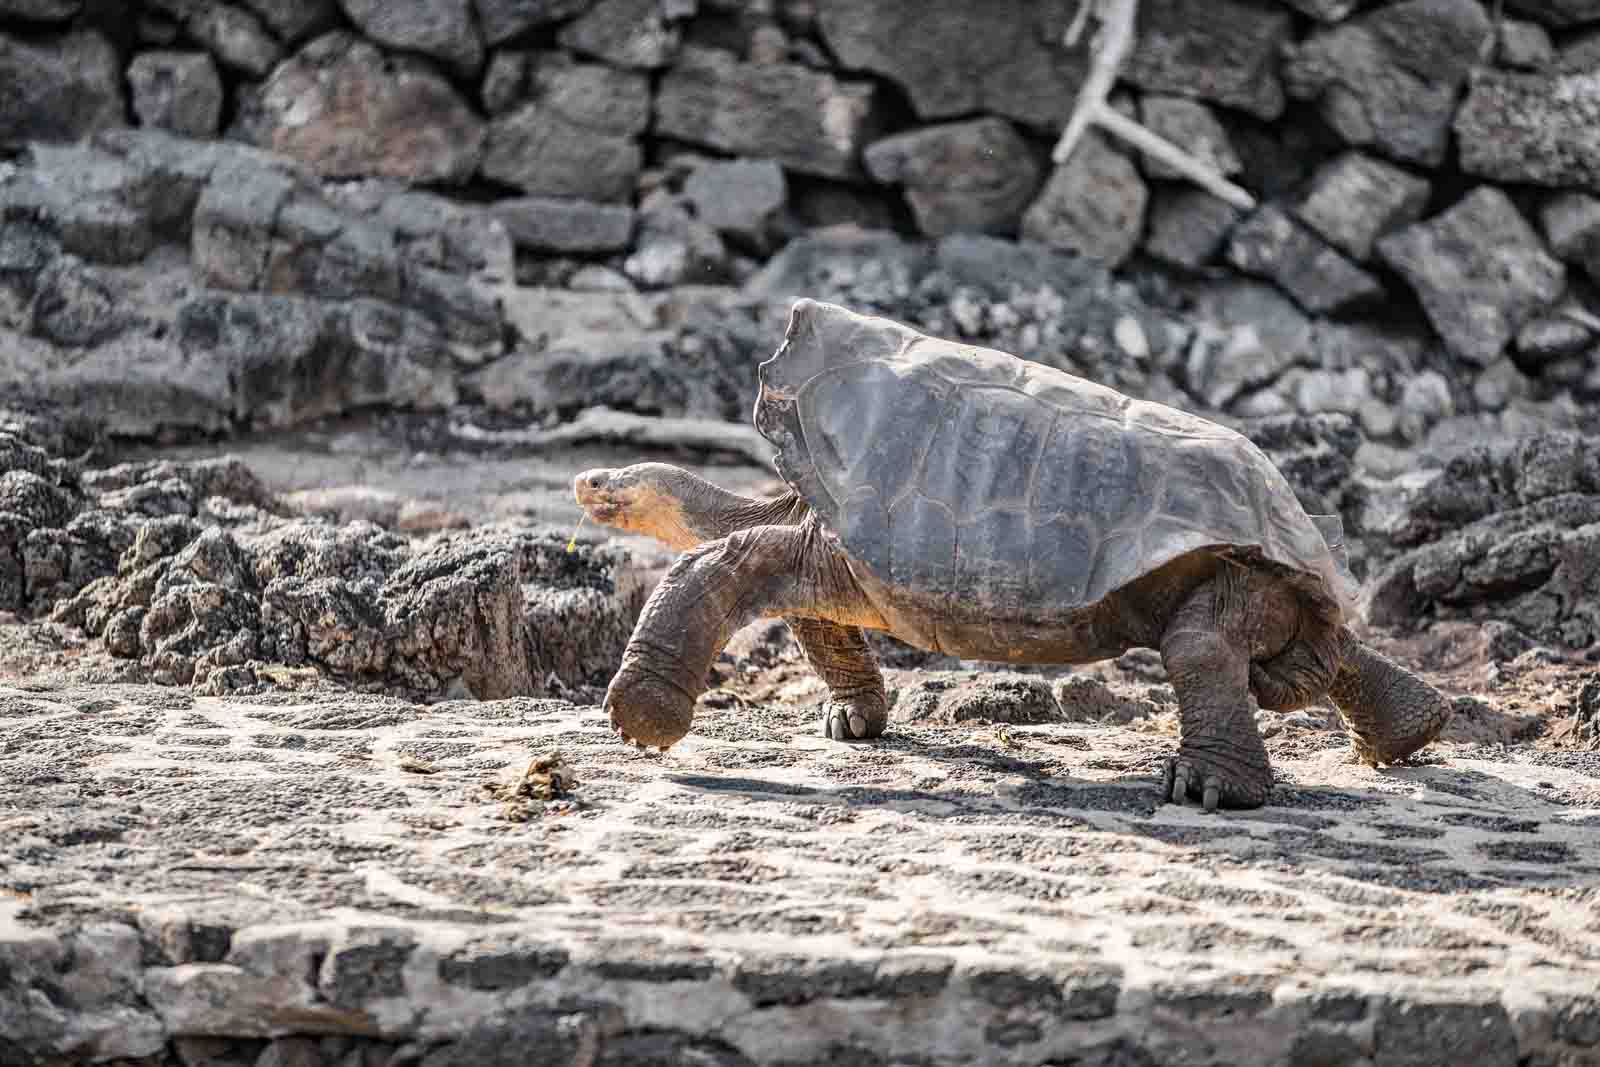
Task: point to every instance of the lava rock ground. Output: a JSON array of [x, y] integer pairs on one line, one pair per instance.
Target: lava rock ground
[[299, 871]]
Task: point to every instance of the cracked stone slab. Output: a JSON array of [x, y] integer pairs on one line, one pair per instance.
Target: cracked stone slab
[[305, 876]]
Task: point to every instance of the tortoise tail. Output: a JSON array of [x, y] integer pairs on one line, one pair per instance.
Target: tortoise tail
[[1389, 711]]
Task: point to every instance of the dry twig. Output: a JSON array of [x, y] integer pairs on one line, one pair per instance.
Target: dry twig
[[1111, 45]]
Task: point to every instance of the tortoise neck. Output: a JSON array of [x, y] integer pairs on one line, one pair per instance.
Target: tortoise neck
[[707, 512]]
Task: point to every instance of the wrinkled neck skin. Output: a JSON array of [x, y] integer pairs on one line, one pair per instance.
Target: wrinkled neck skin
[[698, 511]]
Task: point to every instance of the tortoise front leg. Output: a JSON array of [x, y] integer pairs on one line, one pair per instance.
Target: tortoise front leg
[[710, 593], [1220, 752], [857, 707]]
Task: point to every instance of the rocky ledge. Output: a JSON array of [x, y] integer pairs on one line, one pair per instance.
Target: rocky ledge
[[331, 878]]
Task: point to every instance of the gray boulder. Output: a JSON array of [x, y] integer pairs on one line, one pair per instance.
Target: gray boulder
[[1512, 527], [505, 80], [1559, 13], [976, 176], [502, 20], [545, 154], [966, 696], [236, 37], [1246, 335], [290, 359], [1480, 271], [953, 58], [62, 89], [177, 91], [1533, 128], [1192, 125], [40, 10], [200, 580], [550, 224], [1186, 226], [443, 29], [1321, 280], [590, 94], [341, 108], [91, 205], [1523, 45], [806, 120], [1356, 198], [1092, 204], [1571, 223], [1325, 10], [576, 135], [624, 33], [739, 197], [294, 20], [1390, 78], [233, 229], [1225, 51]]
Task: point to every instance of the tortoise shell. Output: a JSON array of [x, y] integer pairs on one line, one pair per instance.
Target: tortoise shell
[[961, 473]]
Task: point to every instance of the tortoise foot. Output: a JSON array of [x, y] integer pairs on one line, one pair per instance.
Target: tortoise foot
[[854, 720], [1213, 783], [647, 710]]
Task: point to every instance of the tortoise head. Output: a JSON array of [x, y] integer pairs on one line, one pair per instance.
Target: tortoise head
[[655, 499]]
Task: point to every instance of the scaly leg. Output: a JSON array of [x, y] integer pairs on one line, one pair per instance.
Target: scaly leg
[[1389, 711], [858, 707], [1220, 753], [713, 590]]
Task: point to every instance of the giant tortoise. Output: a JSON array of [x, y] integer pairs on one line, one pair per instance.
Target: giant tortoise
[[970, 502]]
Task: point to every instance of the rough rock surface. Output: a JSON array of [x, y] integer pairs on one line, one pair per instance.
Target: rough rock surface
[[1480, 270], [577, 134], [191, 571], [236, 37], [257, 299], [1356, 199], [1389, 78], [627, 33], [1192, 125], [962, 177], [1092, 204], [340, 108], [808, 121], [443, 29], [177, 91], [1509, 530], [59, 91], [952, 58], [1542, 129], [1225, 52], [1271, 244], [557, 224]]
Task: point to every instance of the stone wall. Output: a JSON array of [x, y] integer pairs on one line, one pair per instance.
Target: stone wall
[[1428, 174]]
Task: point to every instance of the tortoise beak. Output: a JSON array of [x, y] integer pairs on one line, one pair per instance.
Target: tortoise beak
[[591, 489]]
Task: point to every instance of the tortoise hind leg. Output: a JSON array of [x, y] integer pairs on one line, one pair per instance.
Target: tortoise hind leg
[[710, 592], [857, 707], [1221, 756], [1389, 711]]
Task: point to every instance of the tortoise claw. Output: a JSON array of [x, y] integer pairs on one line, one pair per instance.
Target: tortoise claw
[[1184, 773], [849, 721]]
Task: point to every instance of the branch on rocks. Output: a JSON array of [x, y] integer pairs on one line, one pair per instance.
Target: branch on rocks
[[1111, 45], [643, 431], [1586, 319]]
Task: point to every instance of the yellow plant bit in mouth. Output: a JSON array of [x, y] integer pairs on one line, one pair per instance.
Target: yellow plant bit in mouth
[[572, 542]]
